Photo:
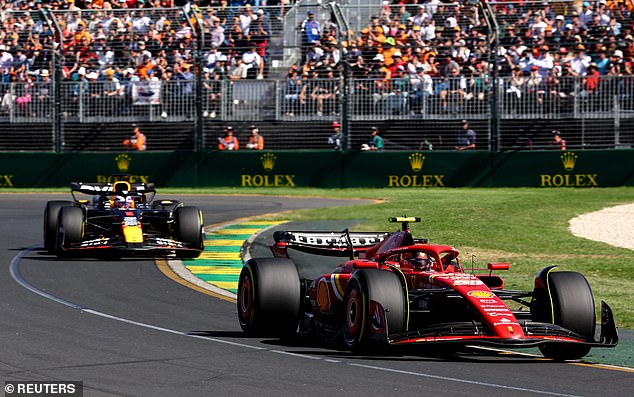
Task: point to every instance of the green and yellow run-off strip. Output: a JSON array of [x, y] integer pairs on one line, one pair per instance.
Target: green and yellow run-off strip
[[220, 263]]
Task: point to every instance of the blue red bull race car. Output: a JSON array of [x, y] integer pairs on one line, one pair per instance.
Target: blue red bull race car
[[397, 290], [121, 218]]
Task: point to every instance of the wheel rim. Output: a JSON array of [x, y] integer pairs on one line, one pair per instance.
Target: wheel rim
[[353, 315], [245, 302]]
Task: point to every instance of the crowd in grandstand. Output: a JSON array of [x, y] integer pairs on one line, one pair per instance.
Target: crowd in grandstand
[[117, 45], [408, 52]]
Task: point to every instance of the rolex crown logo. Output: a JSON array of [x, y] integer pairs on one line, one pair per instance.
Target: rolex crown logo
[[123, 162], [569, 159], [416, 161], [268, 161]]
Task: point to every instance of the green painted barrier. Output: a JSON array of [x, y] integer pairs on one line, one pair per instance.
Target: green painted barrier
[[328, 169]]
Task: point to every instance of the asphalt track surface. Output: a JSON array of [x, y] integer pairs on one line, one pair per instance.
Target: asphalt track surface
[[125, 329]]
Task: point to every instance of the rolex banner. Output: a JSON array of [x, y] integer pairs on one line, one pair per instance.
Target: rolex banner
[[327, 169]]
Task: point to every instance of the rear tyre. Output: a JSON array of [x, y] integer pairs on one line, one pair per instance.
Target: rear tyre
[[189, 230], [573, 309], [51, 213], [269, 297], [70, 228], [363, 325]]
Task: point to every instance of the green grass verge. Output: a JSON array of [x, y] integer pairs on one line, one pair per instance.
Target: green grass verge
[[527, 227]]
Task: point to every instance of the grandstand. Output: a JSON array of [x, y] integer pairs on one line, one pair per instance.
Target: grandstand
[[77, 74]]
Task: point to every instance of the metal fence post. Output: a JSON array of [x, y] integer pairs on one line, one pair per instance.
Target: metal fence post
[[494, 44], [57, 78], [198, 30], [344, 92]]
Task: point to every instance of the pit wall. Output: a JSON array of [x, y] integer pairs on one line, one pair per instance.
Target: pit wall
[[327, 169]]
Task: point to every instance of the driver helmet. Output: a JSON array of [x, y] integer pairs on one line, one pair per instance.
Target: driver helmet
[[119, 202], [419, 260]]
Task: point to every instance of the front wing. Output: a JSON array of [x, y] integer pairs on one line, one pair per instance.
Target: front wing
[[535, 334], [151, 245]]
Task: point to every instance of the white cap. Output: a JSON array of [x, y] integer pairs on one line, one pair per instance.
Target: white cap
[[379, 57], [81, 71], [618, 53]]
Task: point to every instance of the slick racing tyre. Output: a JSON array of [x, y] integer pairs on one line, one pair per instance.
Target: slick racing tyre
[[573, 309], [51, 213], [189, 230], [70, 228], [375, 308], [269, 297]]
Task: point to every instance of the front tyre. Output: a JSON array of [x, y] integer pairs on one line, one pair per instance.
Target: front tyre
[[269, 297], [375, 308], [70, 228], [572, 308], [189, 230], [51, 213]]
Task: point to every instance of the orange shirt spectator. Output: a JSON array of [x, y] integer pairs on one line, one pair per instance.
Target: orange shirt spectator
[[136, 141], [256, 142], [388, 51], [228, 142], [82, 35]]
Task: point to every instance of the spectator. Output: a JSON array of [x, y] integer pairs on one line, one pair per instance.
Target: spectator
[[535, 86], [581, 61], [238, 71], [376, 142], [466, 137], [254, 63], [325, 92], [292, 90], [43, 94], [454, 90], [311, 32], [256, 141], [112, 93], [557, 142], [6, 60], [422, 87], [336, 138], [228, 141], [94, 94], [185, 84], [136, 141], [246, 18]]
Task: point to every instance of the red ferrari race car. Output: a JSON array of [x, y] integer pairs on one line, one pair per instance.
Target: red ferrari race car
[[397, 290], [124, 219]]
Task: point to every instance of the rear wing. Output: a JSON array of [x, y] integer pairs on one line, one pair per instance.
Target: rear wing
[[325, 243], [100, 188]]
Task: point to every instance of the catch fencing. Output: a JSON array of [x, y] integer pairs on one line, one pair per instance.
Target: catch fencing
[[75, 96]]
